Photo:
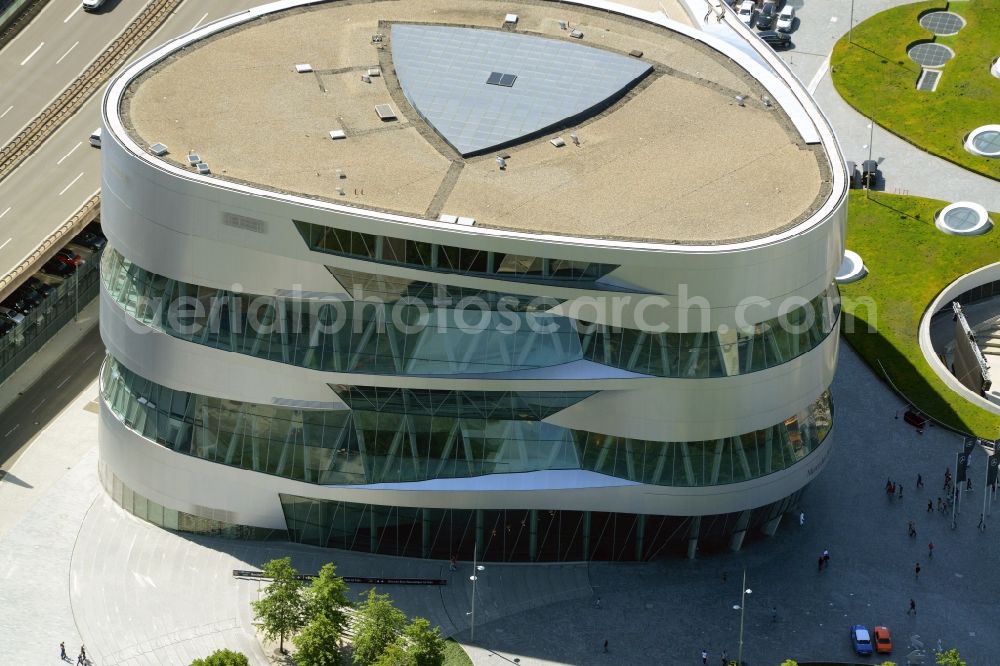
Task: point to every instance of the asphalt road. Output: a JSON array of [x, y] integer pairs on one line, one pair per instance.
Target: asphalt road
[[52, 184], [39, 404]]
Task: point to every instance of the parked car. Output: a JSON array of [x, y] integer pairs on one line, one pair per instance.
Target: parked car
[[775, 39], [768, 13], [786, 19], [95, 228], [69, 255], [746, 12], [31, 296], [92, 6], [860, 639], [90, 240], [39, 286], [16, 304], [869, 174], [55, 267], [6, 325], [12, 315], [883, 640]]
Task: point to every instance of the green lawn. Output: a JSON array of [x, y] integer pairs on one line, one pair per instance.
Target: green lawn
[[873, 73], [454, 655], [909, 263]]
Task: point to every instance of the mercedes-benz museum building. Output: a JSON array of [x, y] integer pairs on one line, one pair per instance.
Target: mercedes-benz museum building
[[543, 280]]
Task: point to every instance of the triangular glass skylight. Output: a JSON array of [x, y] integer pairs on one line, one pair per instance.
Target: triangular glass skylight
[[452, 77]]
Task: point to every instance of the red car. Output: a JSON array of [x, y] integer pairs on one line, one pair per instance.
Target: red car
[[68, 256], [883, 640]]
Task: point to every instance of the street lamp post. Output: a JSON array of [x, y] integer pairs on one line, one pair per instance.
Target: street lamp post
[[850, 29], [742, 609], [476, 568]]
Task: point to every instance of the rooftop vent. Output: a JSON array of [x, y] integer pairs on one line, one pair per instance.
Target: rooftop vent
[[304, 68], [374, 71], [366, 78], [557, 142], [739, 100], [341, 191], [337, 134], [377, 38], [451, 219], [193, 159], [576, 34], [158, 149], [510, 19], [575, 139], [385, 112], [466, 221], [341, 174], [203, 168], [635, 53], [564, 25], [501, 162]]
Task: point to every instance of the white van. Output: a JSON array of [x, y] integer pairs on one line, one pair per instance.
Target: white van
[[95, 138]]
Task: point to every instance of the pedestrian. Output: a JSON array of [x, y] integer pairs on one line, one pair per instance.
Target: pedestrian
[[62, 651], [725, 658], [947, 478], [900, 486], [913, 608], [930, 507], [704, 656], [826, 558], [968, 485], [453, 563], [930, 549], [982, 524], [82, 659], [920, 481], [940, 505], [820, 565], [916, 570], [911, 530], [802, 518], [774, 613], [605, 644]]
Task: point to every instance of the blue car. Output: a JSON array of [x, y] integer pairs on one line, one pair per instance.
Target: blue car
[[861, 639]]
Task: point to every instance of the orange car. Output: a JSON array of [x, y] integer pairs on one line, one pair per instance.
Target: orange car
[[883, 640]]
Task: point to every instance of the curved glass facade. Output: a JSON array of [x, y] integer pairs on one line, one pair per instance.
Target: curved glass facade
[[407, 327], [393, 436]]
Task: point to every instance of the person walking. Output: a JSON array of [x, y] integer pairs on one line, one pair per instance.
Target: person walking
[[930, 506], [62, 651], [982, 524], [916, 570], [774, 613], [930, 549], [913, 608], [725, 658], [826, 558], [920, 481], [802, 518], [911, 530], [820, 564], [453, 563], [704, 656], [82, 659], [605, 644], [900, 487]]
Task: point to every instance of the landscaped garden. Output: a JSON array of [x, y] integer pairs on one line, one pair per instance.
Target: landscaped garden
[[909, 262], [873, 72]]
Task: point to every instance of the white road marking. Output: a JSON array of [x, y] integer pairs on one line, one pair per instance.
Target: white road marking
[[6, 241], [818, 76], [72, 13], [71, 184], [78, 144], [32, 54], [62, 382], [6, 211], [7, 111], [12, 430], [88, 357], [40, 402], [66, 54], [199, 21]]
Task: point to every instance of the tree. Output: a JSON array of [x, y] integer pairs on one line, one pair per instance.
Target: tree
[[378, 625], [949, 658], [396, 655], [316, 644], [223, 658], [327, 596], [281, 611], [787, 662], [425, 644]]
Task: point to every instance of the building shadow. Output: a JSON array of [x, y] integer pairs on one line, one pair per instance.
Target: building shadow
[[10, 478]]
